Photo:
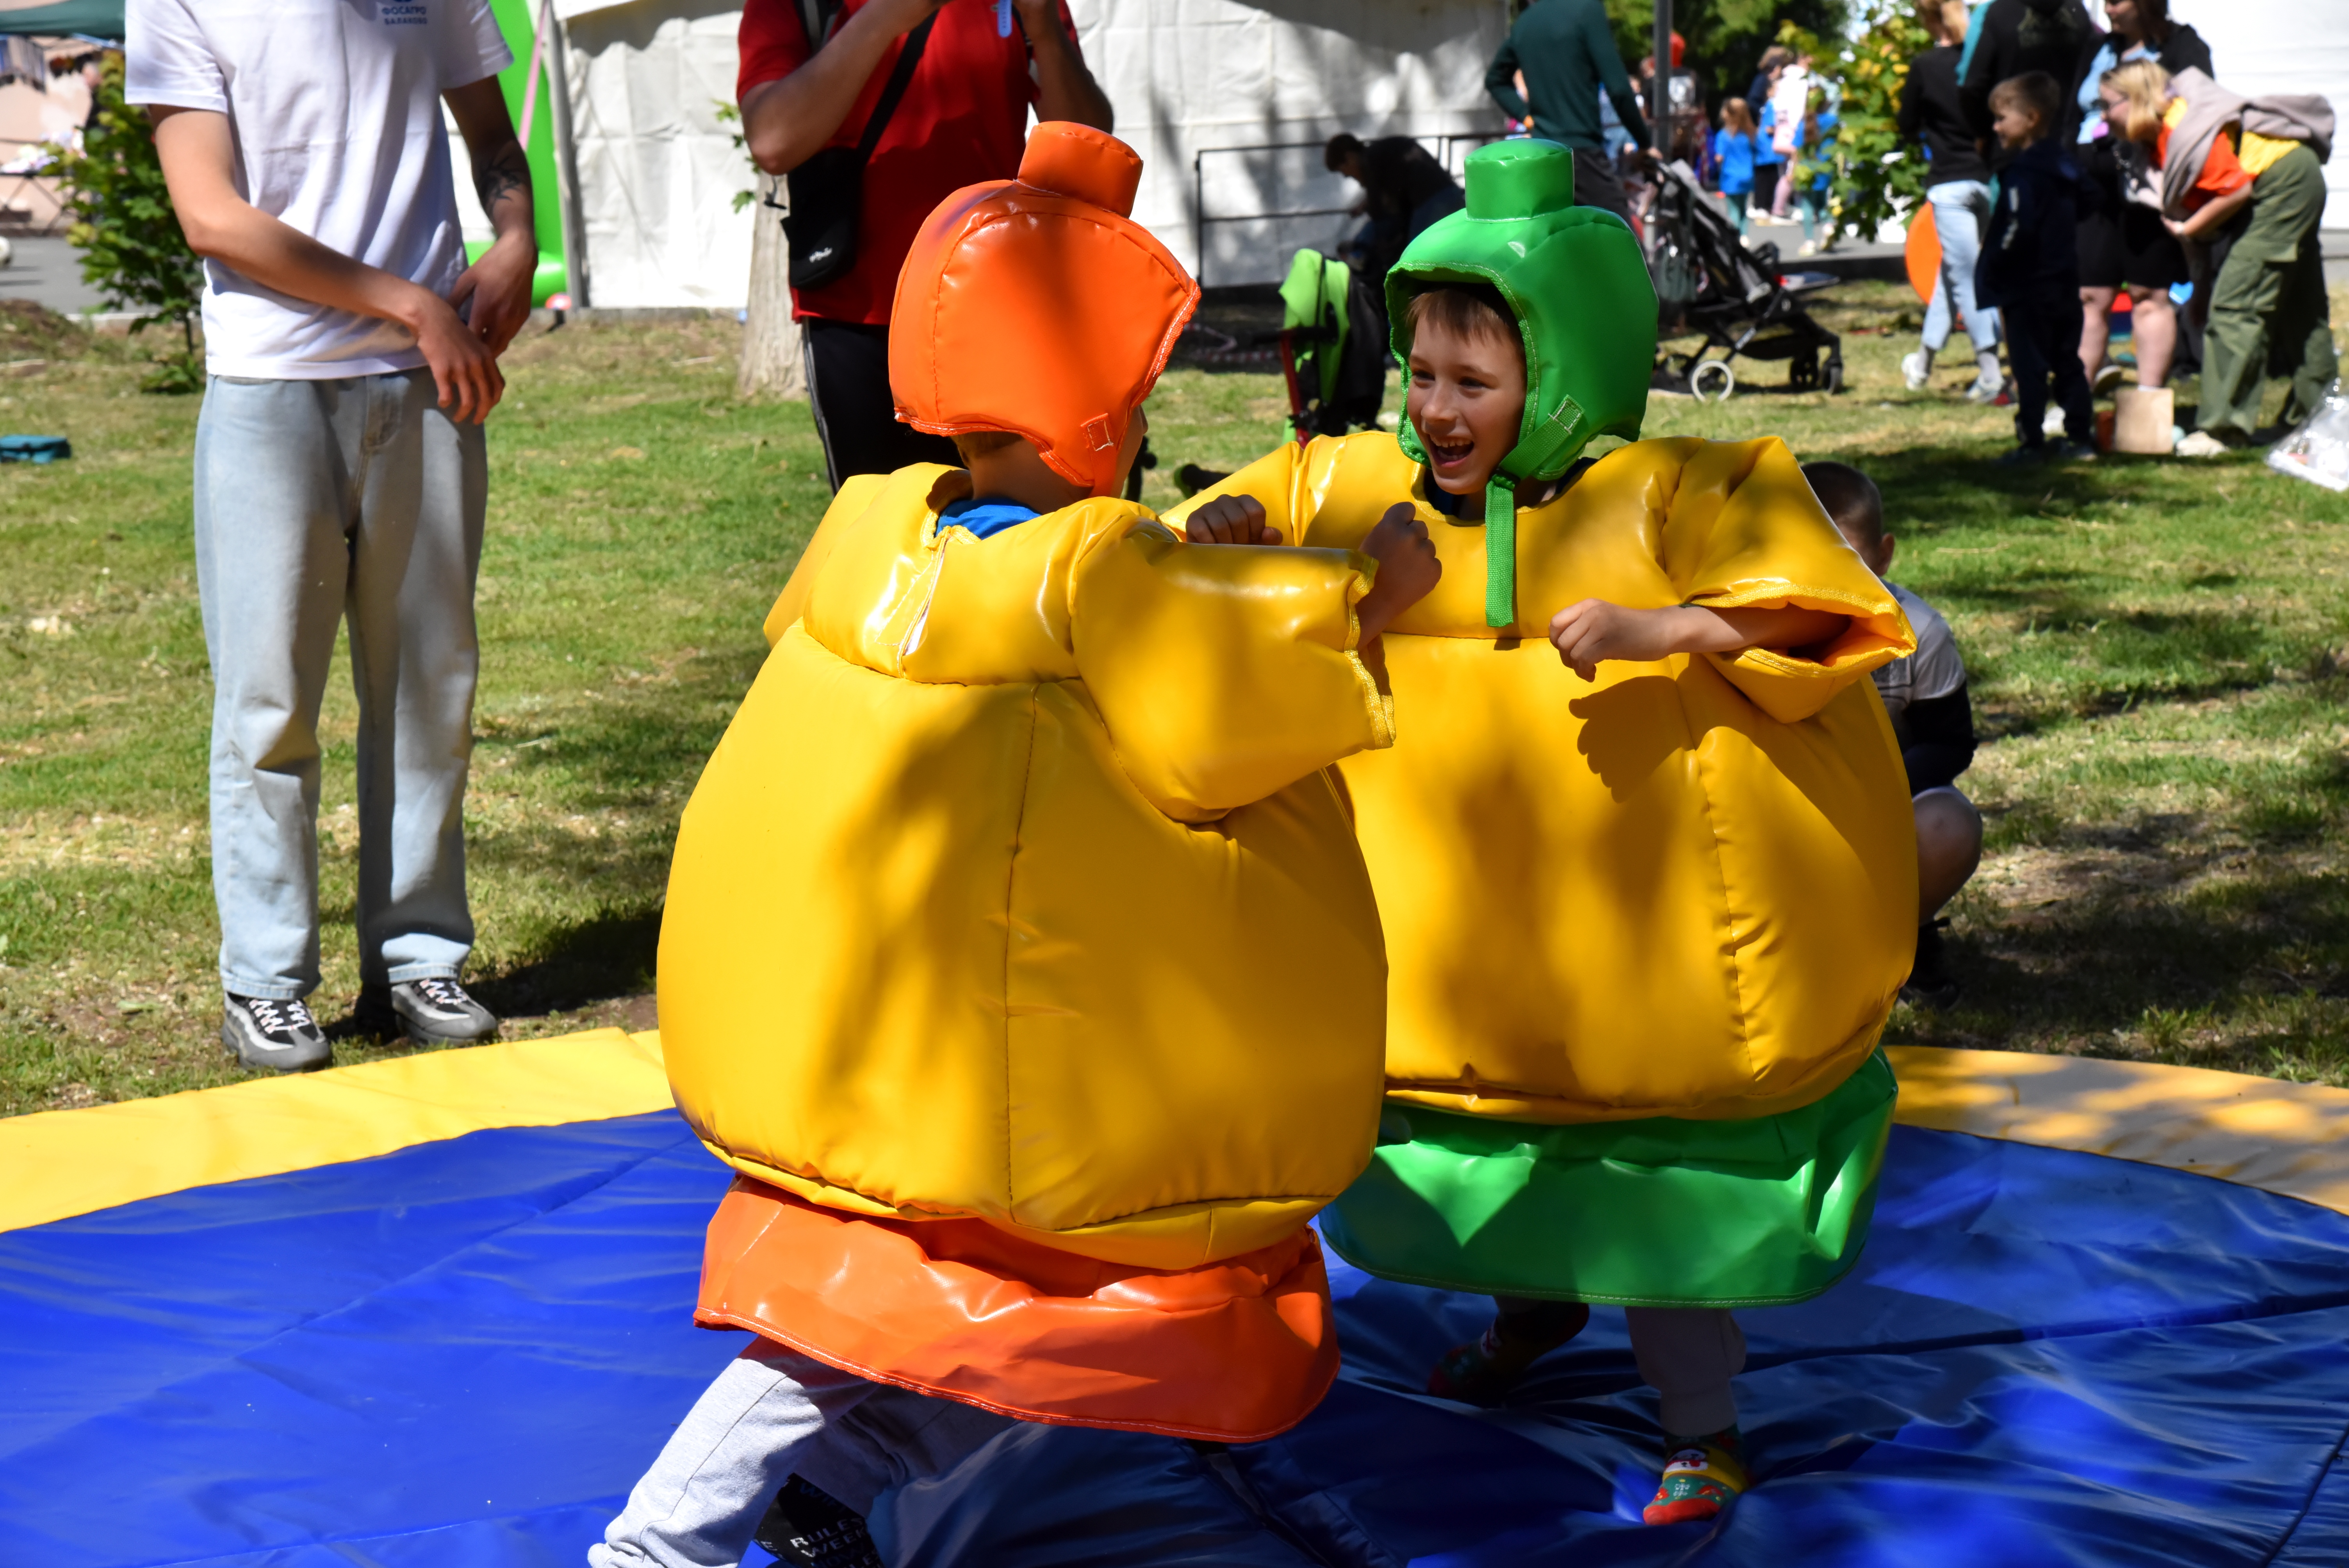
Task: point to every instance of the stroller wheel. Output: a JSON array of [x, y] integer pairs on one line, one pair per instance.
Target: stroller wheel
[[1712, 381], [1833, 377]]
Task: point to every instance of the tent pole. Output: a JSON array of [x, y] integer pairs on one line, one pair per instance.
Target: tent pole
[[567, 160], [1659, 112]]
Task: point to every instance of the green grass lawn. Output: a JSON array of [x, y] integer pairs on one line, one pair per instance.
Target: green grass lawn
[[2159, 653]]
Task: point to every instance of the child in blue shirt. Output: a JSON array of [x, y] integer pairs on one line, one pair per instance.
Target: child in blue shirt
[[1737, 148], [1814, 172]]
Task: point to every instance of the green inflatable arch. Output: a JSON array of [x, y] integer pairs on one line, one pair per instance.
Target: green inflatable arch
[[553, 276]]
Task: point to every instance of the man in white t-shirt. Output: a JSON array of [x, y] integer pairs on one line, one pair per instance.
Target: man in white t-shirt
[[340, 471], [1932, 717]]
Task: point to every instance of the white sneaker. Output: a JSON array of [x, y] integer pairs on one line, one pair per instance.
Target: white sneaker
[[2202, 444], [1915, 371], [1987, 391], [2053, 425], [1807, 249]]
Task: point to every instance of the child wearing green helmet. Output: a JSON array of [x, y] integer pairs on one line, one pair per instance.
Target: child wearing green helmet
[[1646, 914]]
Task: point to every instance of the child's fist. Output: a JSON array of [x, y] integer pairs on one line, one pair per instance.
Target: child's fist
[[1408, 568], [1230, 519]]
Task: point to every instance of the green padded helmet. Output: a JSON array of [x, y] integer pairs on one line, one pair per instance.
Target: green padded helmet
[[1579, 286]]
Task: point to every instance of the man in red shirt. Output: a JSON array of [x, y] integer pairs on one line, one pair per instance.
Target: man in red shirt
[[963, 120]]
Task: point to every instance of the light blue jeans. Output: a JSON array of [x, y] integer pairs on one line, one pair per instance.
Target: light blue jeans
[[1960, 217], [317, 501]]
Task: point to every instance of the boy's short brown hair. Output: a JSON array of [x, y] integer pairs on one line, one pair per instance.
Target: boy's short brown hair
[[1850, 498], [2035, 93], [978, 443], [1464, 310]]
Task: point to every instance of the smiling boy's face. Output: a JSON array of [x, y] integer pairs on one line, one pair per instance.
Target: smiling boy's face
[[1467, 400]]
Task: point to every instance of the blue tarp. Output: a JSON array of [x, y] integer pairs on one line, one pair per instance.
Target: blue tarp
[[461, 1355]]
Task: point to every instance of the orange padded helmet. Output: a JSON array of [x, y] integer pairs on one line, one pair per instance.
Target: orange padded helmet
[[1037, 305]]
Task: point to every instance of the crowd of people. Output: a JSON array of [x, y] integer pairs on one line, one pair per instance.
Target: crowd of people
[[2123, 167], [2053, 188]]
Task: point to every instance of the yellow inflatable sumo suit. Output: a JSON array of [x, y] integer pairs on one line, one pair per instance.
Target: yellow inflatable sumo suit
[[1018, 953], [1643, 930]]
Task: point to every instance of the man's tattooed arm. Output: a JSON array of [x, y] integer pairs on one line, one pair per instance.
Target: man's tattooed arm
[[498, 175]]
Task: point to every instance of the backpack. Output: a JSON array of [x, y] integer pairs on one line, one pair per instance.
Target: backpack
[[1333, 343]]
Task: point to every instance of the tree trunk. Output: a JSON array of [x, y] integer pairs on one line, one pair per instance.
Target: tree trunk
[[771, 338]]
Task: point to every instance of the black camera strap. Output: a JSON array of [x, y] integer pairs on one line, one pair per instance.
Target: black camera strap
[[908, 57], [818, 18], [828, 189]]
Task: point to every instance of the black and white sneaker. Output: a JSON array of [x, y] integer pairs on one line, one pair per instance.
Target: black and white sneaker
[[433, 1011], [809, 1528], [264, 1032]]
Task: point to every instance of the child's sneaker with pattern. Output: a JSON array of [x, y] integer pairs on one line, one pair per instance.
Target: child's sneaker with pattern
[[1483, 1370], [1702, 1475]]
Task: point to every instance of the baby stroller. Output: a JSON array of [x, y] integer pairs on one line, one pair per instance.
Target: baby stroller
[[1707, 279], [1333, 346]]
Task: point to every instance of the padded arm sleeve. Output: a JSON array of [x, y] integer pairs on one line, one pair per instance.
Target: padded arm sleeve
[[1743, 531], [1224, 672], [855, 498], [1278, 481]]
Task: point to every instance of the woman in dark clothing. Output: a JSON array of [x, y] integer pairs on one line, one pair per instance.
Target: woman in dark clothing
[[2123, 241]]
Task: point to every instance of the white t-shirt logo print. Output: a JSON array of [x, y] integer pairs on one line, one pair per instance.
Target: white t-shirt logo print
[[336, 105]]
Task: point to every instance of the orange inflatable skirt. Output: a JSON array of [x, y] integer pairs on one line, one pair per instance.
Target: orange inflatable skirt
[[1235, 1351]]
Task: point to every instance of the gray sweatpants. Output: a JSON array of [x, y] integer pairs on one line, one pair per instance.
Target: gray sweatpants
[[773, 1413], [317, 501], [1687, 1355]]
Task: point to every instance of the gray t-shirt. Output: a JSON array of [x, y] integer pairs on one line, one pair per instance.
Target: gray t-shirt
[[336, 109], [1933, 670]]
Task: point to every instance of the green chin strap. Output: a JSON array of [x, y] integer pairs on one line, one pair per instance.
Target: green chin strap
[[1561, 435]]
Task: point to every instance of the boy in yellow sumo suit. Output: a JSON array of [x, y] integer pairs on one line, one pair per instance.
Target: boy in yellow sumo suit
[[1645, 914], [962, 967]]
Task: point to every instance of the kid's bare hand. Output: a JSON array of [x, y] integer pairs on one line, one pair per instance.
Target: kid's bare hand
[[1587, 633], [1230, 519], [1408, 568]]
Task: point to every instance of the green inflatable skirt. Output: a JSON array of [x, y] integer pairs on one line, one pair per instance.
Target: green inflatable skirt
[[1660, 1213]]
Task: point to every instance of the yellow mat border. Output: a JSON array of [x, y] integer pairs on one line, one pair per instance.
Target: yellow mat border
[[54, 1164], [2285, 1138]]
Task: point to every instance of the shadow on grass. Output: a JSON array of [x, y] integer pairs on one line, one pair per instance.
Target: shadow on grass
[[607, 954], [2249, 974]]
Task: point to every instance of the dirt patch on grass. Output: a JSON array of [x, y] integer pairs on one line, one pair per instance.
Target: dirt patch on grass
[[29, 331]]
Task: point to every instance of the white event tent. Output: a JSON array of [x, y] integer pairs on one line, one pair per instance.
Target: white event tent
[[658, 171]]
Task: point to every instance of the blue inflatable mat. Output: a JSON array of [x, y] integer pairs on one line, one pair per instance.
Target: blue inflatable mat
[[462, 1353]]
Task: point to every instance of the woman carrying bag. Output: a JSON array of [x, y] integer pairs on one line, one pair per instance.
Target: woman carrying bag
[[2123, 244], [2241, 183]]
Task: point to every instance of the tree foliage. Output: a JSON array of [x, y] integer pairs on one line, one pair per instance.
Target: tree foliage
[[1725, 38], [1875, 173], [132, 251]]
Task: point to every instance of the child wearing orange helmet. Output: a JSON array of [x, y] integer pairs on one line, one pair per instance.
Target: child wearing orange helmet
[[938, 970]]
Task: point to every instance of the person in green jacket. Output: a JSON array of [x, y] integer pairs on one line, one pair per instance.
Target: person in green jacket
[[1567, 54]]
